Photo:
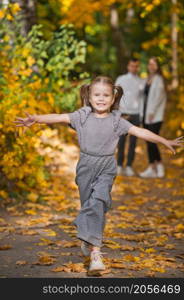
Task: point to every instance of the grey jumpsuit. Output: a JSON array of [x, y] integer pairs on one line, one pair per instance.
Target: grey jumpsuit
[[96, 168]]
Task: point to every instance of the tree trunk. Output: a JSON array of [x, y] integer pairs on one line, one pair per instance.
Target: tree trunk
[[118, 40], [29, 14], [174, 41]]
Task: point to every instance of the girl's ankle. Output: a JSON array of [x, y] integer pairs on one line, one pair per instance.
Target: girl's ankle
[[94, 248]]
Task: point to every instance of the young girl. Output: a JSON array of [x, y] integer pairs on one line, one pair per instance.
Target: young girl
[[99, 125]]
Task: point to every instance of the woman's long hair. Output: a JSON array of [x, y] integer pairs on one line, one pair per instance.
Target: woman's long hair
[[159, 69], [86, 89], [156, 60]]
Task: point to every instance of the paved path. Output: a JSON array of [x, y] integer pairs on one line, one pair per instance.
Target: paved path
[[143, 237]]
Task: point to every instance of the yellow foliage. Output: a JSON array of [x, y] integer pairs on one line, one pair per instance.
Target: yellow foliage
[[19, 159], [85, 14], [15, 8], [2, 14], [3, 194], [32, 197], [9, 17]]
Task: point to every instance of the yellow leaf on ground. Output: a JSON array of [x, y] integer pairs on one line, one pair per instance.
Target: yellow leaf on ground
[[21, 262], [45, 242], [106, 271], [5, 247], [123, 225], [6, 228], [122, 207], [118, 266], [179, 213], [45, 260], [131, 258], [180, 227], [150, 250], [114, 246], [169, 246], [66, 253], [32, 197], [30, 212], [67, 244], [49, 232], [2, 221], [70, 267], [127, 248], [78, 267], [28, 232], [61, 269], [158, 269]]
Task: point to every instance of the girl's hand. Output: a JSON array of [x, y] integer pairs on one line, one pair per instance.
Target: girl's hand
[[30, 120], [177, 142]]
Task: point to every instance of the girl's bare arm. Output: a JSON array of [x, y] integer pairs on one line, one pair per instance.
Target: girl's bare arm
[[42, 119], [149, 136], [52, 118]]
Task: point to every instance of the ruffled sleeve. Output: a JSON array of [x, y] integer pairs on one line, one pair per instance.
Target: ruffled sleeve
[[78, 117], [121, 125]]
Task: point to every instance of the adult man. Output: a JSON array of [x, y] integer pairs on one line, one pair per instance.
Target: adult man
[[132, 85]]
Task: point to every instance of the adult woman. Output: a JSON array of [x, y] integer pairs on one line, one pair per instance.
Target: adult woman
[[152, 116]]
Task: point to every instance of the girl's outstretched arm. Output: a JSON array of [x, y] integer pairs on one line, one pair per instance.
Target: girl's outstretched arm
[[149, 136], [42, 119]]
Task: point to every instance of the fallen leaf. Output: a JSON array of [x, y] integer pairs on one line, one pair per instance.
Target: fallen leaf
[[21, 262], [43, 253], [122, 207], [6, 228], [169, 246], [30, 212], [180, 227], [68, 244], [150, 250], [114, 246], [70, 267], [106, 271], [78, 267], [5, 247], [158, 269], [118, 266], [61, 269], [3, 222], [45, 260], [48, 232], [66, 253], [28, 232], [127, 248], [131, 258], [45, 242], [150, 274], [181, 256]]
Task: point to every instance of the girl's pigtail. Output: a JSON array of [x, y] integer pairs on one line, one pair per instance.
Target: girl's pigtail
[[118, 94], [84, 94]]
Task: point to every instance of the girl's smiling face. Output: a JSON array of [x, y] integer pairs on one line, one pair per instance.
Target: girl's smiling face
[[101, 97]]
